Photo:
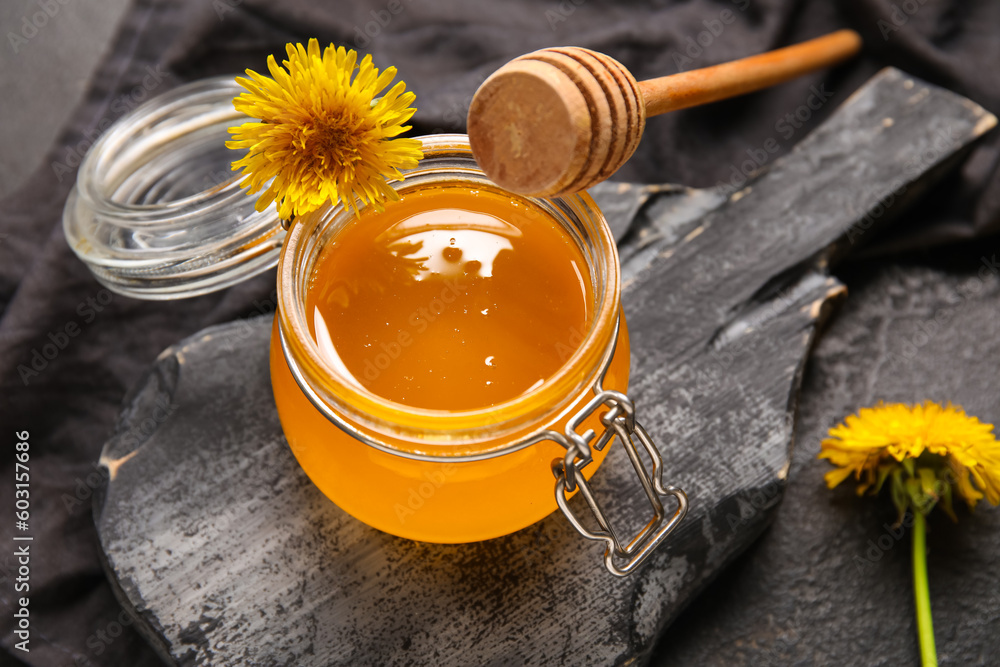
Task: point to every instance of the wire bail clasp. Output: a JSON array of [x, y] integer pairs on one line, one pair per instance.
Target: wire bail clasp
[[619, 420]]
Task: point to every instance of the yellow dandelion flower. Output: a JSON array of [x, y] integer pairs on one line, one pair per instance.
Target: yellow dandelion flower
[[322, 134], [928, 451]]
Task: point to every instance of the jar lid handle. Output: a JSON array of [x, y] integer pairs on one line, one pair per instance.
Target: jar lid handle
[[620, 557]]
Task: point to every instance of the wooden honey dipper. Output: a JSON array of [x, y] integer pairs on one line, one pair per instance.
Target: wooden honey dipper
[[559, 120]]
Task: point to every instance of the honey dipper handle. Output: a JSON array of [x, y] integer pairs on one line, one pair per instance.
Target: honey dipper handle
[[710, 84]]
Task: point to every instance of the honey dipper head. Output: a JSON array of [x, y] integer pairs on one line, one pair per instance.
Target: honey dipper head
[[556, 121]]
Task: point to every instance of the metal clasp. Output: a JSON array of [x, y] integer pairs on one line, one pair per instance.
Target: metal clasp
[[619, 420]]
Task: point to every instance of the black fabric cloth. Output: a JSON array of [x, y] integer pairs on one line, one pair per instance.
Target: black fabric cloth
[[443, 50]]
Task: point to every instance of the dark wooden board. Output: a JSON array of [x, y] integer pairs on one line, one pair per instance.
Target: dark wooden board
[[230, 556]]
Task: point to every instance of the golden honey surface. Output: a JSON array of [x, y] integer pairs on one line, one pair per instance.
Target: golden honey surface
[[451, 299]]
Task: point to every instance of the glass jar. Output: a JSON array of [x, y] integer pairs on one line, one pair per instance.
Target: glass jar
[[157, 212], [467, 475]]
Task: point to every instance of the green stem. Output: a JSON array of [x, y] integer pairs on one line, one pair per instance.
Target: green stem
[[921, 592]]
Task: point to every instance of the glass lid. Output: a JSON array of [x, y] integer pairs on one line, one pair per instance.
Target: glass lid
[[157, 211]]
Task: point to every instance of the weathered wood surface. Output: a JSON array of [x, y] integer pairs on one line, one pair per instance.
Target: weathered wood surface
[[230, 556]]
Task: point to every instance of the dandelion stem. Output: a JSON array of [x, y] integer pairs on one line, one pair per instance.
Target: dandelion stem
[[921, 592]]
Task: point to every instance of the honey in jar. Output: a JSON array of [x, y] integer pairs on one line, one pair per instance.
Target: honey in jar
[[452, 299], [421, 354]]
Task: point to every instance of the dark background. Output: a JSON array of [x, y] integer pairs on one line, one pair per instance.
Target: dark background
[[816, 588]]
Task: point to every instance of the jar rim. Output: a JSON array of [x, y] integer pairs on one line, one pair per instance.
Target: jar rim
[[215, 94], [432, 433]]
